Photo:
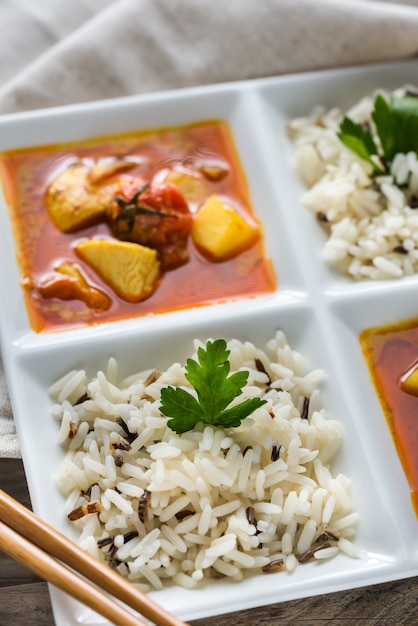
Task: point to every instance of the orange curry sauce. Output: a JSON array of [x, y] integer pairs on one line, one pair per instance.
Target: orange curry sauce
[[27, 173], [390, 352]]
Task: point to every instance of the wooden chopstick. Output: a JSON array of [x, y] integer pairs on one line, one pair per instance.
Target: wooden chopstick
[[54, 572], [34, 543]]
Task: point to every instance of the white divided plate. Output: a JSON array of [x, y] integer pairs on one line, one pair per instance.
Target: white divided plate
[[321, 313]]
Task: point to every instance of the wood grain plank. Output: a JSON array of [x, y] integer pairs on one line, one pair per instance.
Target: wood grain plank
[[388, 604], [26, 605], [13, 481]]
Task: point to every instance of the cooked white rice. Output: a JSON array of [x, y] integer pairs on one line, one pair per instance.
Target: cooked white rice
[[213, 502], [371, 227]]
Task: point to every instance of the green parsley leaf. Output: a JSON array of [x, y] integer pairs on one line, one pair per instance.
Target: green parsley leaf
[[358, 139], [215, 390], [396, 124]]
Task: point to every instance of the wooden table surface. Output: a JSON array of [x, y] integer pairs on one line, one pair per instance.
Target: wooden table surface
[[24, 598]]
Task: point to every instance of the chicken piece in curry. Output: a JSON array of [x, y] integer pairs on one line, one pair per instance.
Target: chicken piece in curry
[[73, 201], [130, 269]]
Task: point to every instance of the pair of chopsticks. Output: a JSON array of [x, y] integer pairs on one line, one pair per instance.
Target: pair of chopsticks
[[46, 552]]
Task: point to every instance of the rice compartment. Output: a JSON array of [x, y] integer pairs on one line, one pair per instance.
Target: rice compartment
[[211, 502]]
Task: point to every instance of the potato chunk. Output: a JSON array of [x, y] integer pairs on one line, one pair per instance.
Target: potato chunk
[[130, 269], [409, 382], [220, 232], [192, 186], [74, 202]]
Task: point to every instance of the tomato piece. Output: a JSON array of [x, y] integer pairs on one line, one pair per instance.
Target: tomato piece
[[155, 215], [165, 196]]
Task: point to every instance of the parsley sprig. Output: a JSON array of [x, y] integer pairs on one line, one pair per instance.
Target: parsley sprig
[[215, 390], [396, 125]]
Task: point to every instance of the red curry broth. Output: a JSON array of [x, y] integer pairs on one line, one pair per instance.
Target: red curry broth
[[390, 352], [41, 246]]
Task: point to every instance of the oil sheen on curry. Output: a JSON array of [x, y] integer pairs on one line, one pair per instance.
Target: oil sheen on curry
[[391, 353], [126, 226]]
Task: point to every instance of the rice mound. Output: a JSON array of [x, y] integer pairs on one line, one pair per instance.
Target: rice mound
[[161, 507], [371, 222]]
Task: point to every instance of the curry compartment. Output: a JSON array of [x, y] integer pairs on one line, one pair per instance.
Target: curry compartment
[[150, 222], [391, 352]]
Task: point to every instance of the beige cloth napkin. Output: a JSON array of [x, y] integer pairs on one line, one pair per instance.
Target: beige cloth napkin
[[55, 52]]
